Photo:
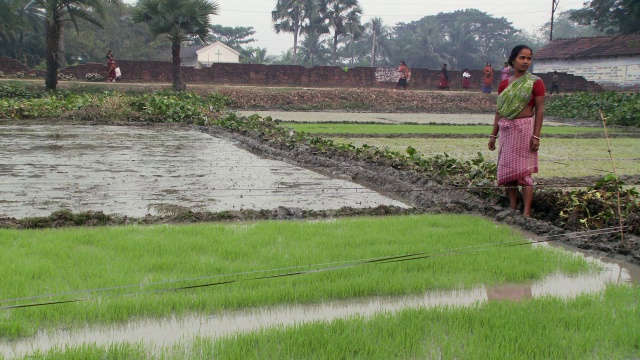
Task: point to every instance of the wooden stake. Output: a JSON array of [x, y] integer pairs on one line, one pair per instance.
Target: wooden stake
[[604, 124]]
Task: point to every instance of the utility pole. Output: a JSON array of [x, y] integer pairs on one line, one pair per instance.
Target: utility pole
[[554, 6]]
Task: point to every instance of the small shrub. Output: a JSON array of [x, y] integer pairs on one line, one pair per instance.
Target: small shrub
[[94, 77], [66, 77]]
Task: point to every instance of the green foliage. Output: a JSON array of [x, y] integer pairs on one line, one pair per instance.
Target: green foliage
[[9, 91], [167, 106], [597, 207], [610, 16], [618, 108]]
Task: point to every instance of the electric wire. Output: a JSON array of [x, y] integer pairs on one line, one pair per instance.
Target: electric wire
[[299, 270]]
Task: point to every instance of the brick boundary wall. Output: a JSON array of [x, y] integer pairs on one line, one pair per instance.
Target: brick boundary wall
[[298, 76], [11, 66]]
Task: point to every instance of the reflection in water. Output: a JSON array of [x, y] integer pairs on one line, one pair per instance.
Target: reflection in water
[[167, 332], [515, 292]]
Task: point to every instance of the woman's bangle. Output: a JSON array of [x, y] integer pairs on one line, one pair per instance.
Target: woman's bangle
[[493, 136], [535, 137]]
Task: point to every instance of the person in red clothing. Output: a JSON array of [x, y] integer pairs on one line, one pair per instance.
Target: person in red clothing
[[111, 67], [405, 74], [519, 122]]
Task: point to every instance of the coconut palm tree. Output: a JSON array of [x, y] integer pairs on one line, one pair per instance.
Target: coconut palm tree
[[462, 46], [179, 21], [290, 16], [353, 30], [340, 14], [379, 34], [313, 50], [56, 12]]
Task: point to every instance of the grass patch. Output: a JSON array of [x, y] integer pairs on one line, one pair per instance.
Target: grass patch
[[333, 128], [75, 260], [558, 157], [595, 326]]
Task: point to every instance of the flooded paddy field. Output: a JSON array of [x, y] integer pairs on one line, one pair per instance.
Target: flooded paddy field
[[134, 171]]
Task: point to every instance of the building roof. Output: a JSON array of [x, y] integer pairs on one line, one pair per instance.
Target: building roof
[[189, 51], [215, 44], [603, 46]]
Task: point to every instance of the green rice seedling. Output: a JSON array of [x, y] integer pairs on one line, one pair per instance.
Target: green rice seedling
[[558, 157], [594, 326], [336, 128], [133, 272]]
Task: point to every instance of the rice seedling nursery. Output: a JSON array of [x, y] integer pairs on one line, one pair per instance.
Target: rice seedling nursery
[[417, 282]]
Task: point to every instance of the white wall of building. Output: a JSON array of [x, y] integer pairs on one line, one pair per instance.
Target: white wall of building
[[217, 53], [617, 71]]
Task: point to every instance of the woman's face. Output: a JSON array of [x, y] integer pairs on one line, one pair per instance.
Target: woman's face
[[523, 60]]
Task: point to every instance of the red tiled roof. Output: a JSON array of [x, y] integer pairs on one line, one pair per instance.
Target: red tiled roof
[[590, 47]]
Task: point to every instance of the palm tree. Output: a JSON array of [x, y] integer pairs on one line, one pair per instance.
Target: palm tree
[[379, 38], [179, 20], [353, 30], [8, 23], [462, 46], [313, 49], [32, 18], [290, 16], [55, 13], [340, 14]]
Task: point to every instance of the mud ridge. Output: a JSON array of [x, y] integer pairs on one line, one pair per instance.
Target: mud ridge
[[65, 218], [429, 194]]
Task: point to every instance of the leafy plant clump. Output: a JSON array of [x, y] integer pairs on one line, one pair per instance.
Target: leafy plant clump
[[618, 108], [596, 207], [94, 77], [167, 106]]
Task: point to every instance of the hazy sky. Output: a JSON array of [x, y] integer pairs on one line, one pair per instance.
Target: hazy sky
[[525, 15]]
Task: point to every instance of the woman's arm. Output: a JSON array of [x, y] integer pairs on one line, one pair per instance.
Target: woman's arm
[[494, 133], [538, 116]]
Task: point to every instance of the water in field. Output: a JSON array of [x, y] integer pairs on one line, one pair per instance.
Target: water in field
[[159, 170]]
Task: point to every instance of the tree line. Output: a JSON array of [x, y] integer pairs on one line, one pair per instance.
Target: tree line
[[324, 32]]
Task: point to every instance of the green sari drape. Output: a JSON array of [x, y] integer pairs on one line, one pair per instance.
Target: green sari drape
[[516, 96]]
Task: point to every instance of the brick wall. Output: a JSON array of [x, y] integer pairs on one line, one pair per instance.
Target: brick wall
[[11, 66], [297, 76]]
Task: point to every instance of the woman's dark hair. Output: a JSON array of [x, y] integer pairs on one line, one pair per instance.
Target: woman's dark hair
[[108, 52], [402, 62], [514, 53]]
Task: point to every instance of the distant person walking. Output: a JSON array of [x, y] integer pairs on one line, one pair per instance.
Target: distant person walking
[[404, 75], [554, 83], [487, 78], [111, 67], [505, 73], [466, 79], [444, 78], [518, 122]]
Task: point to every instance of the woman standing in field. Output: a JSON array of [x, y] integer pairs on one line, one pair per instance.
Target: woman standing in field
[[466, 80], [444, 78], [488, 79], [505, 73], [518, 120]]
